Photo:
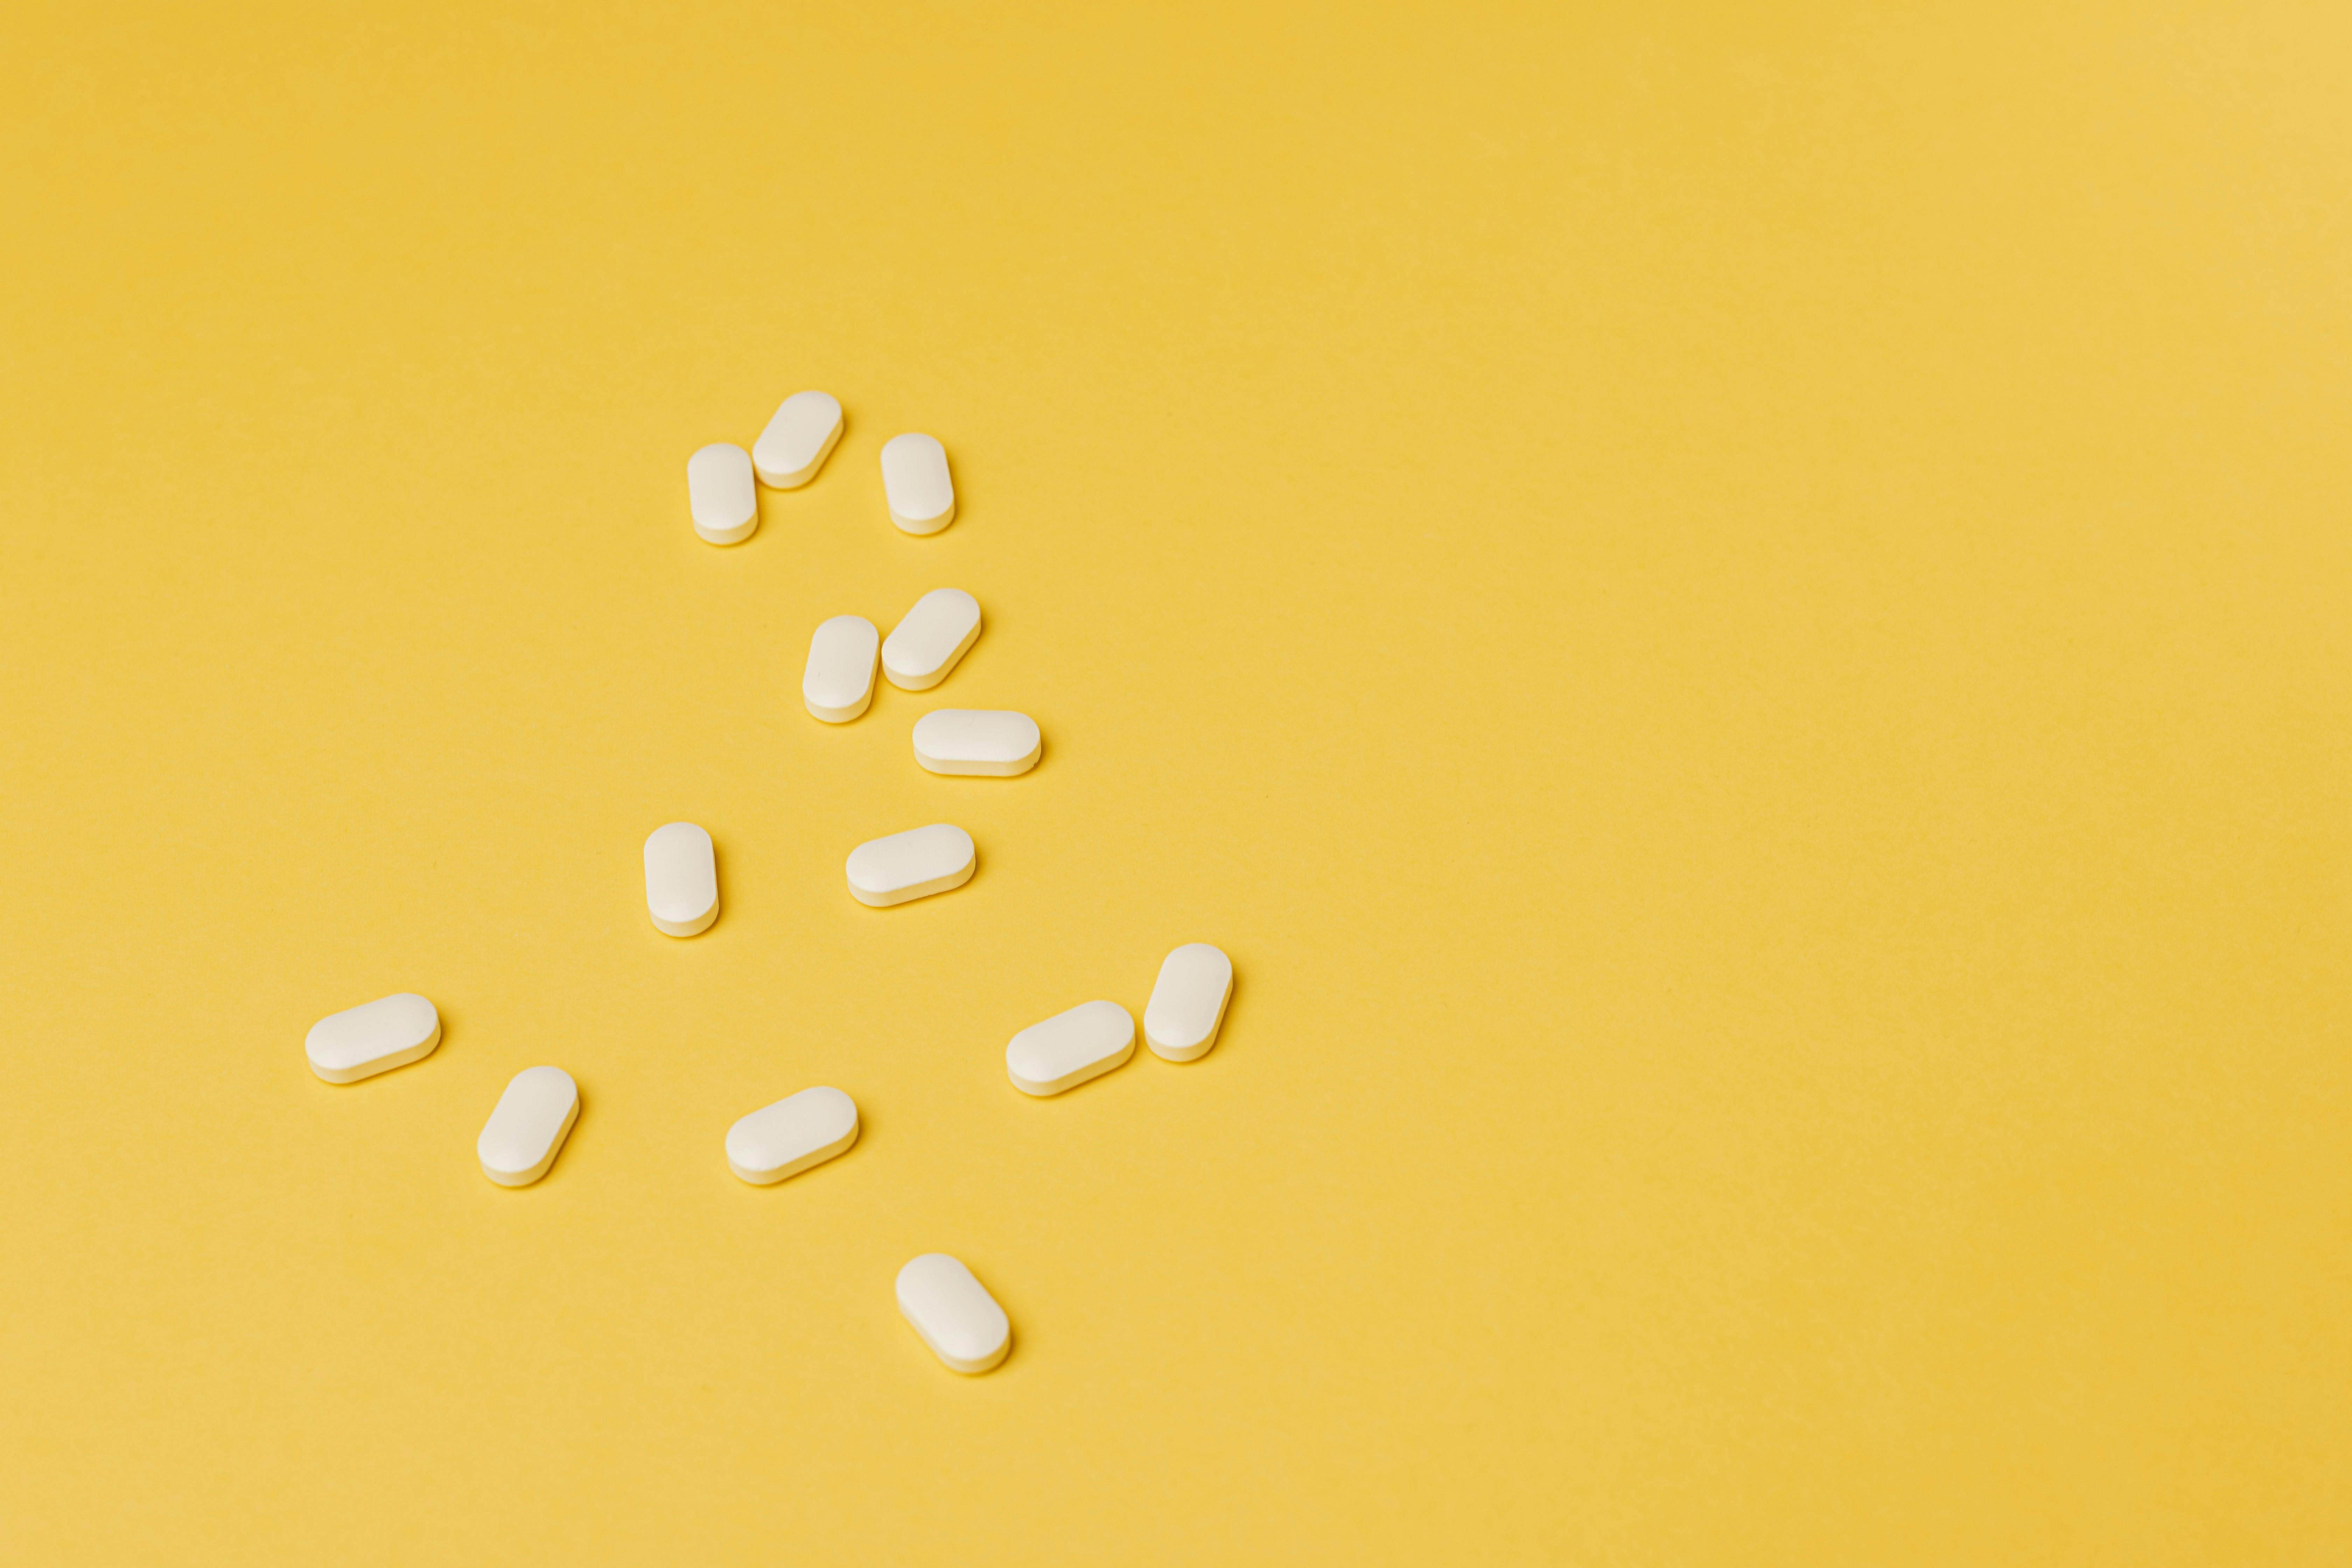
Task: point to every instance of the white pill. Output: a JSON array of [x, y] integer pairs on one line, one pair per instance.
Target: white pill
[[839, 683], [954, 1313], [932, 638], [719, 489], [788, 1137], [915, 479], [528, 1128], [373, 1037], [797, 441], [681, 879], [992, 742], [911, 865], [1188, 1004], [1068, 1048]]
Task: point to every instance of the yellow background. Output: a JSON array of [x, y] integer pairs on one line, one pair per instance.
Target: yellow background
[[1737, 614]]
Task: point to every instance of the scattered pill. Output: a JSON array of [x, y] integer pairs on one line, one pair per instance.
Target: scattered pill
[[838, 684], [915, 479], [797, 441], [910, 865], [1068, 1048], [373, 1037], [529, 1126], [681, 879], [1188, 1004], [992, 742], [718, 488], [788, 1137], [932, 638], [954, 1313]]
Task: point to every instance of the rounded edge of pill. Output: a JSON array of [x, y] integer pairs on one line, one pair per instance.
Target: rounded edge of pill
[[684, 928], [796, 478], [969, 1366]]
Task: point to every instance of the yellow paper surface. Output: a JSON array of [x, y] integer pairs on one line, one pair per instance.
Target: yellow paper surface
[[1736, 615]]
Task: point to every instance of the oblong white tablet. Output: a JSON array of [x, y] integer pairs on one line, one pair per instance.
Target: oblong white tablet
[[911, 865], [954, 1313], [681, 879], [915, 479], [719, 490], [1068, 1048], [373, 1037], [838, 682], [788, 1137], [932, 638], [992, 742], [528, 1128], [797, 441], [1188, 1004]]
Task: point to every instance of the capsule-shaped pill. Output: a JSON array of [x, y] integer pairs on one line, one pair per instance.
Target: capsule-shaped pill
[[681, 879], [838, 682], [911, 865], [788, 1137], [991, 742], [914, 480], [1188, 1003], [527, 1129], [931, 640], [954, 1313], [797, 441], [373, 1037], [720, 492], [1069, 1048]]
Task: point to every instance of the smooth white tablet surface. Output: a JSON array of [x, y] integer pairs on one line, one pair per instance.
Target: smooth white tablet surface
[[681, 879], [1188, 1004], [992, 742], [788, 1137], [911, 865], [932, 638], [915, 479], [1068, 1048], [528, 1128], [719, 489], [797, 441], [954, 1313], [373, 1037], [838, 682]]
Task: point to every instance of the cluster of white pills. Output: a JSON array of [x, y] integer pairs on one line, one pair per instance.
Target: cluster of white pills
[[946, 1306]]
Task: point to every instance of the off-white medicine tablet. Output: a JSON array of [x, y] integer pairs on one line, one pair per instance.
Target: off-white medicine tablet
[[932, 638], [994, 742], [837, 683], [527, 1129], [1071, 1047], [915, 479], [911, 865], [373, 1037], [788, 1137], [954, 1313], [720, 491], [797, 441], [1188, 1004], [681, 879]]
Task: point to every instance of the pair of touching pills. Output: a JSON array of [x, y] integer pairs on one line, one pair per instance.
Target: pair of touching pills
[[911, 865], [796, 1133], [681, 879], [528, 1126], [953, 1313], [837, 682], [1180, 1024], [916, 484], [721, 494], [375, 1037]]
